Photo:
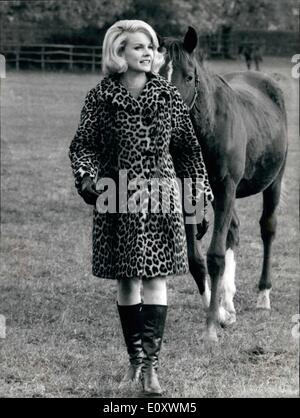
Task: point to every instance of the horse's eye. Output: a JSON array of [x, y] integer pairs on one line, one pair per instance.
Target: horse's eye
[[189, 78]]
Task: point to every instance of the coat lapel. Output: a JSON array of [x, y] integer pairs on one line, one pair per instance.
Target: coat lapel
[[153, 92]]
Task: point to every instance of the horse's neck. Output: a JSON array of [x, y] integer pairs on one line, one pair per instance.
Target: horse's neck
[[204, 109]]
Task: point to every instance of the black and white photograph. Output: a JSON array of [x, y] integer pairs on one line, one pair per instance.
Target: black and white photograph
[[149, 201]]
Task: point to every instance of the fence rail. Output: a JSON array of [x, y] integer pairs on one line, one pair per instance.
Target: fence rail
[[47, 55]]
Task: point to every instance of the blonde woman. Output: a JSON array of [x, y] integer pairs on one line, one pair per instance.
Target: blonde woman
[[135, 122]]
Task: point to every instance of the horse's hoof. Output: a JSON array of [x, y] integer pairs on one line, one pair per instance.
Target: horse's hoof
[[211, 337], [229, 319], [232, 319], [225, 317], [263, 300]]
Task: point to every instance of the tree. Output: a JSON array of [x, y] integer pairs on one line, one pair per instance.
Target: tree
[[168, 17], [64, 19], [209, 15], [72, 13]]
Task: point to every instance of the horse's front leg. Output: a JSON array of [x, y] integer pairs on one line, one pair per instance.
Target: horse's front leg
[[224, 193], [197, 263]]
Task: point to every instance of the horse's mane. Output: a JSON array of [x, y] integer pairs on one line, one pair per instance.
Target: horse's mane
[[176, 51], [204, 106]]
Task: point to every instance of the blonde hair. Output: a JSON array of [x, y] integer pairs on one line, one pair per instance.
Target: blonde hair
[[115, 40]]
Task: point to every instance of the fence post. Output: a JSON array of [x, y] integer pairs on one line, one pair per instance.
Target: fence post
[[17, 58], [71, 59], [43, 58], [93, 60], [2, 66]]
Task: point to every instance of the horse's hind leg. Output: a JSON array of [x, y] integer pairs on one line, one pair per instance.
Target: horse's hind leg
[[268, 221], [227, 286], [197, 263]]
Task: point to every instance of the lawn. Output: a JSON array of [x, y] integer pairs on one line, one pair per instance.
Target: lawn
[[63, 337]]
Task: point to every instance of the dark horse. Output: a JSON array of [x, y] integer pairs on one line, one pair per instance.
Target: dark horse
[[240, 121]]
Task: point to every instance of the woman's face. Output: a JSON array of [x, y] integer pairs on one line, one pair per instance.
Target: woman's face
[[138, 52]]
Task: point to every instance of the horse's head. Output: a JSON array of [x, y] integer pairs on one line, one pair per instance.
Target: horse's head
[[180, 65]]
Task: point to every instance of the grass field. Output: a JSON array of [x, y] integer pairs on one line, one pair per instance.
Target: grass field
[[63, 337]]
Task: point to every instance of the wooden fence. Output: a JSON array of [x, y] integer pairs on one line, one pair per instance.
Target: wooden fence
[[50, 56], [53, 56], [45, 56]]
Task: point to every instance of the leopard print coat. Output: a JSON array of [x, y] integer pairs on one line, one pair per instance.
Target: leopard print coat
[[151, 136]]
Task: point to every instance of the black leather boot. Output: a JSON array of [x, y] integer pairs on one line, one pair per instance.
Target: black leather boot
[[132, 324], [154, 324]]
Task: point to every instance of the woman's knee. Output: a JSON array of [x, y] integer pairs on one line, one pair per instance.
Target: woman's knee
[[129, 290], [155, 284], [155, 291]]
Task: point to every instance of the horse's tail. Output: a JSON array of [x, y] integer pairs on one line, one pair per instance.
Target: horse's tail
[[275, 90], [283, 202], [284, 194], [281, 84], [280, 78]]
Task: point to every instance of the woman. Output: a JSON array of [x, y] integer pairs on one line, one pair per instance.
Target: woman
[[135, 122]]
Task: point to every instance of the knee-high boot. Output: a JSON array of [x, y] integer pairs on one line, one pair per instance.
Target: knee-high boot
[[132, 324], [154, 323]]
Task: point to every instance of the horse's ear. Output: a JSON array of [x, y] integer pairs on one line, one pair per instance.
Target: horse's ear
[[190, 40], [161, 44]]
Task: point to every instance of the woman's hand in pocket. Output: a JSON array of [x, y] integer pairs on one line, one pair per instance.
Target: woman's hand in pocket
[[88, 190]]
